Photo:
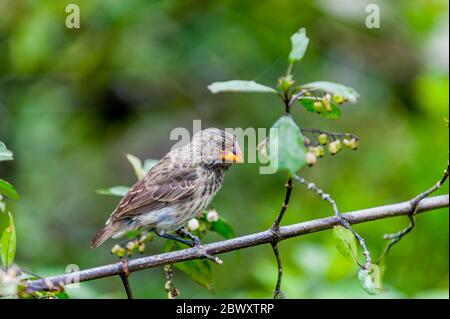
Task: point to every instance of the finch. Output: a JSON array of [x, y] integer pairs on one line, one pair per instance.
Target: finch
[[180, 186]]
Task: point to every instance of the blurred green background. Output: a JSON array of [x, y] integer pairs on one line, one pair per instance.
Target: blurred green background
[[73, 101]]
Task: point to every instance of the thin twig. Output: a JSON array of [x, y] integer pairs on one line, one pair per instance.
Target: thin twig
[[296, 96], [344, 221], [278, 293], [124, 277], [332, 135], [289, 186], [275, 229], [256, 239], [396, 237]]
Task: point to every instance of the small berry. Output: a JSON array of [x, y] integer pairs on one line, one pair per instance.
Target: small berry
[[334, 147], [354, 143], [323, 139], [311, 158], [318, 106], [131, 245], [193, 224], [338, 145], [141, 247], [320, 151], [346, 142], [338, 99], [115, 249], [121, 252], [212, 216]]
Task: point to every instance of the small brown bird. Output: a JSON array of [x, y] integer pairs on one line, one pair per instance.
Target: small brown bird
[[180, 186]]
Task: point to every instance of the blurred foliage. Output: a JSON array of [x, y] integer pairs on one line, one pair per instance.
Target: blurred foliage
[[73, 101]]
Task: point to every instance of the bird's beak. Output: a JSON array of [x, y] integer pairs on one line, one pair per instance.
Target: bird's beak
[[230, 157]]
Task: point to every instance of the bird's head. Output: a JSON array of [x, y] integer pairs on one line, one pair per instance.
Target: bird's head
[[216, 147]]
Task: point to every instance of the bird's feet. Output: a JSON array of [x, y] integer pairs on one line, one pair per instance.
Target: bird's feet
[[194, 242], [197, 244]]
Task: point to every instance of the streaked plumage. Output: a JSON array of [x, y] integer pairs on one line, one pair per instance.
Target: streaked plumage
[[180, 186]]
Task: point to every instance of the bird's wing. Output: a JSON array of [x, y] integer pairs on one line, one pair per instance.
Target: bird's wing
[[162, 185]]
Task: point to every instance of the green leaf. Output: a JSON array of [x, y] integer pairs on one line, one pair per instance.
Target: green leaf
[[5, 154], [114, 191], [346, 243], [343, 91], [222, 228], [199, 270], [8, 243], [367, 279], [148, 164], [62, 295], [2, 205], [8, 190], [239, 86], [137, 166], [299, 42], [334, 114], [4, 221], [287, 149]]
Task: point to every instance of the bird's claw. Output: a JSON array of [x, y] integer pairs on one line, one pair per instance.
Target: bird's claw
[[202, 252], [196, 241], [198, 245]]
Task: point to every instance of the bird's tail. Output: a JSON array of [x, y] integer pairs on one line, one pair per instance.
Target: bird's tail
[[103, 235]]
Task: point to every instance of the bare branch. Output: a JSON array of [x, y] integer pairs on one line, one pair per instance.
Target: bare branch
[[124, 277], [276, 237], [344, 222], [265, 237], [395, 238]]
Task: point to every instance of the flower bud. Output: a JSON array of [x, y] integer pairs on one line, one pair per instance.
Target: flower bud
[[323, 139], [311, 158], [318, 106], [141, 247], [285, 82], [167, 285], [193, 224], [212, 216], [327, 102]]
